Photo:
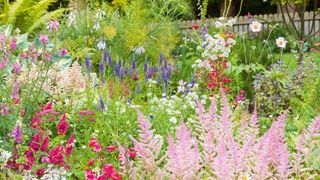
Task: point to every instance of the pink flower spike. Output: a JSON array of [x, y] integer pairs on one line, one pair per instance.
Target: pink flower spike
[[62, 126]]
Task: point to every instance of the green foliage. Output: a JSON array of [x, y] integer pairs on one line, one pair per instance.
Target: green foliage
[[28, 15]]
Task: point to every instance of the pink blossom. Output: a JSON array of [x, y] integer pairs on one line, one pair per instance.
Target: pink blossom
[[111, 148], [62, 126], [17, 68], [63, 52], [90, 175], [13, 44], [4, 109], [35, 142], [54, 25], [56, 156], [69, 150], [71, 139], [45, 144], [17, 133], [40, 172], [94, 143], [91, 161], [44, 39], [3, 63]]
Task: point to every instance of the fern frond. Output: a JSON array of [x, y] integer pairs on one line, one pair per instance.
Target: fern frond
[[42, 20]]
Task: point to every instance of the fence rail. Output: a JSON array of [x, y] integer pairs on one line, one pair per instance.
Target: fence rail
[[243, 23]]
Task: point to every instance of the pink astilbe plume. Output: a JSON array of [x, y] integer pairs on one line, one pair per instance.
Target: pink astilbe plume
[[147, 146], [220, 149], [271, 150], [183, 155]]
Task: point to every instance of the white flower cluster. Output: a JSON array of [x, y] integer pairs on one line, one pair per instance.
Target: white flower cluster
[[4, 155], [214, 48], [175, 105], [222, 22], [54, 174]]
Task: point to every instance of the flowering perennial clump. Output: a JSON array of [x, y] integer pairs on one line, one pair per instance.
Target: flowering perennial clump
[[212, 150]]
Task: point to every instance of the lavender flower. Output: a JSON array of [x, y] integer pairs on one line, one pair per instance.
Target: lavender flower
[[139, 50], [88, 63], [105, 56]]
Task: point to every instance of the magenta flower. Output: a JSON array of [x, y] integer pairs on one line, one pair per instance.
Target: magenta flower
[[90, 175], [44, 39], [62, 126], [94, 143]]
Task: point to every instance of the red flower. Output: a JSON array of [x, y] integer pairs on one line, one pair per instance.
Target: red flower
[[71, 139], [196, 26], [132, 152], [48, 106], [40, 172], [110, 172], [91, 161], [35, 142], [90, 175], [93, 143], [111, 148], [56, 156], [69, 150], [45, 144], [62, 126]]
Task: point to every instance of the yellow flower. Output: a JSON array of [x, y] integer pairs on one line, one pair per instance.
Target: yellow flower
[[110, 32]]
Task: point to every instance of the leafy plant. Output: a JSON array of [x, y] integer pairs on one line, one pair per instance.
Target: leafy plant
[[28, 15]]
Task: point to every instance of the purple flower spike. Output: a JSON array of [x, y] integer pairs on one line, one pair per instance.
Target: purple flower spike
[[88, 63], [105, 56], [161, 58], [102, 66], [145, 66], [165, 63], [17, 133], [101, 104], [109, 59], [134, 64]]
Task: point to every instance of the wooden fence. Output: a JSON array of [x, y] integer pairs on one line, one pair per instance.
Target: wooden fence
[[243, 23]]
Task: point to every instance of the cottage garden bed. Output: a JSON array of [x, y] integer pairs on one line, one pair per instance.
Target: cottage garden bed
[[221, 106]]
